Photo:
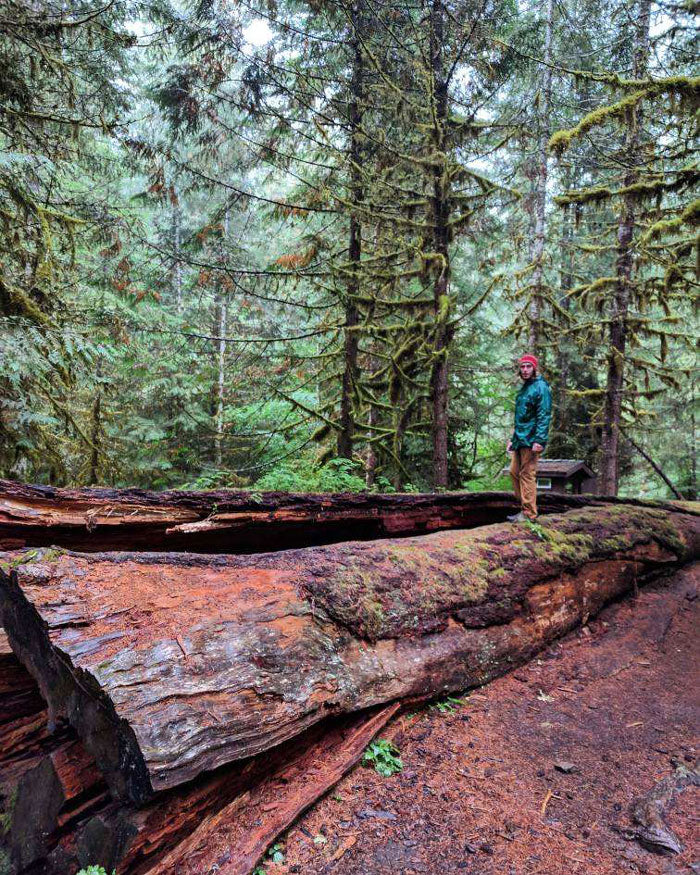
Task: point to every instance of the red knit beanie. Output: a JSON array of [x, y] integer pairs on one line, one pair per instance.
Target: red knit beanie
[[531, 359]]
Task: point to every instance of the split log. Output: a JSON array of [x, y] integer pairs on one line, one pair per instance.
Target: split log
[[25, 741], [246, 804], [55, 813], [19, 694], [63, 786], [25, 735], [235, 839], [233, 522], [171, 665]]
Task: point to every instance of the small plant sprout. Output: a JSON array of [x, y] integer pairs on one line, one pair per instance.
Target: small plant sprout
[[537, 530], [384, 757], [274, 854], [448, 705]]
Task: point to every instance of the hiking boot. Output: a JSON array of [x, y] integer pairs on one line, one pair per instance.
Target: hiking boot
[[522, 518]]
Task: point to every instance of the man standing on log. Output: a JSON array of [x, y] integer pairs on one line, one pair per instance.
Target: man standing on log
[[533, 412]]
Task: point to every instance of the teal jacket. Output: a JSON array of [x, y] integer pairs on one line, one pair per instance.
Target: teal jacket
[[533, 412]]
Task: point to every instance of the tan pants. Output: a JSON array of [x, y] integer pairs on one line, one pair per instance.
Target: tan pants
[[523, 472]]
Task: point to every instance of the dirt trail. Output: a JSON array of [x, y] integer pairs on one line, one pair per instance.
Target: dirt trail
[[480, 792]]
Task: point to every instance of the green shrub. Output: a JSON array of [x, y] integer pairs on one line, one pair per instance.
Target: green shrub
[[337, 475]]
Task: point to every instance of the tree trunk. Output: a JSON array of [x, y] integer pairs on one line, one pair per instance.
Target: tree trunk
[[176, 232], [221, 327], [693, 458], [60, 818], [56, 817], [236, 522], [220, 381], [352, 316], [171, 665], [439, 385], [372, 460], [538, 243], [96, 429], [619, 313]]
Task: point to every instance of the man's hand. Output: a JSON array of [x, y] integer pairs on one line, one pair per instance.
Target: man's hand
[[537, 448], [509, 447]]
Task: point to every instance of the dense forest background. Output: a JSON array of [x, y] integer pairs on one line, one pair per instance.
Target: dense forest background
[[299, 245]]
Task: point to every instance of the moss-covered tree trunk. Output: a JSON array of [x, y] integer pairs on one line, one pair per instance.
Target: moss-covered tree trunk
[[540, 229], [623, 293], [352, 315], [439, 386]]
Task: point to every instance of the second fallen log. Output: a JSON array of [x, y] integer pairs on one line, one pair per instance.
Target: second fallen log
[[170, 665]]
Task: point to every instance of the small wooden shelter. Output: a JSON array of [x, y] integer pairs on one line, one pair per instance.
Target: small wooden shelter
[[564, 475]]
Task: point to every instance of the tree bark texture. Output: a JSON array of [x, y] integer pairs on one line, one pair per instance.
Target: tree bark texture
[[352, 316], [619, 312], [236, 837], [439, 385], [169, 665], [538, 243], [56, 816], [234, 522]]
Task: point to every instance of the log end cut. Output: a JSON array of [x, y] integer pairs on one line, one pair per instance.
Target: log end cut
[[71, 691]]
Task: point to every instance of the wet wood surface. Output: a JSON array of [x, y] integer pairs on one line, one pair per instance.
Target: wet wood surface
[[174, 664], [229, 521]]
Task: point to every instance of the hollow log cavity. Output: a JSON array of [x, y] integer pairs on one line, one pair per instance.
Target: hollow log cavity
[[168, 665]]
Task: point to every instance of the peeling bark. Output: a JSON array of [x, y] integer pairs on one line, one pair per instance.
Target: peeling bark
[[171, 665], [236, 837], [236, 522], [58, 790], [234, 812]]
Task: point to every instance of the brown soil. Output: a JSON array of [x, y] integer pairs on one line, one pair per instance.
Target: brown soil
[[479, 792]]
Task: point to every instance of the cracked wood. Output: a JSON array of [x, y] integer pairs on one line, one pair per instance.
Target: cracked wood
[[171, 665]]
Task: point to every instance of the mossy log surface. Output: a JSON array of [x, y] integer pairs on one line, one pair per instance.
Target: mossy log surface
[[231, 521], [169, 665]]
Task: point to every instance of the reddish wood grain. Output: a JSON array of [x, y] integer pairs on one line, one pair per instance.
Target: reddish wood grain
[[171, 665], [236, 521]]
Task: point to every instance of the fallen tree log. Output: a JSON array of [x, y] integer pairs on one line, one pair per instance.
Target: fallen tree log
[[236, 837], [236, 521], [56, 817], [19, 694], [170, 665], [25, 734], [60, 789], [71, 824], [25, 741]]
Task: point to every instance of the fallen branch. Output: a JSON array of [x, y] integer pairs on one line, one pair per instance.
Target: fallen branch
[[649, 812], [653, 464]]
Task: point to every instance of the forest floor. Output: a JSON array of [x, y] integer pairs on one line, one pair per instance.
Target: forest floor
[[482, 788]]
